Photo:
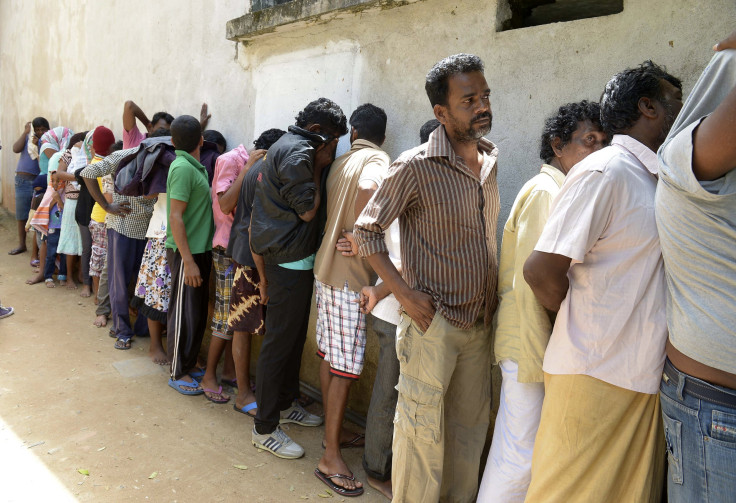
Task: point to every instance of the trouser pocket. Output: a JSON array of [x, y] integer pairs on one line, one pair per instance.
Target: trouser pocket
[[419, 409], [673, 437]]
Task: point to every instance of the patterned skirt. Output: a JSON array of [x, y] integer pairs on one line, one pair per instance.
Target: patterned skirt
[[153, 289], [70, 239]]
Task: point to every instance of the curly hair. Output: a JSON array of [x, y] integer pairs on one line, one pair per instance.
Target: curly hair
[[268, 138], [327, 114], [436, 83], [564, 123], [620, 99]]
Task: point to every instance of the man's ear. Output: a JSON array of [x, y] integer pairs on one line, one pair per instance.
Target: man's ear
[[353, 134], [440, 113], [556, 145], [201, 140], [647, 108], [314, 128]]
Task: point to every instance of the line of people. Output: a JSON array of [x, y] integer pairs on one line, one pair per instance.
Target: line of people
[[614, 359]]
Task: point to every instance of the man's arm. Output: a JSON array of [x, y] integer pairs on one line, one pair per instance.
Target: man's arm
[[263, 283], [204, 116], [21, 141], [714, 140], [546, 275], [228, 199], [131, 112], [192, 276], [105, 200]]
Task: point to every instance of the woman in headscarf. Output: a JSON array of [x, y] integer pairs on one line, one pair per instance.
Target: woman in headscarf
[[52, 141], [70, 239]]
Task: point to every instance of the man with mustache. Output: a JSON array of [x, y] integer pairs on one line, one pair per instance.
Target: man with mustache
[[598, 264], [445, 195]]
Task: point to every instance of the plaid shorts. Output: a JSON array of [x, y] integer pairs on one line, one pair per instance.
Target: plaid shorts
[[247, 314], [340, 330], [97, 260], [224, 272]]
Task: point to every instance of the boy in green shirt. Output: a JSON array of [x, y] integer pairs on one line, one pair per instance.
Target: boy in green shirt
[[188, 248]]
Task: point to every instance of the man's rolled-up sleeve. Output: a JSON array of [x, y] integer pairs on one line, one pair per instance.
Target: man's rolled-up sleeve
[[397, 193], [298, 188]]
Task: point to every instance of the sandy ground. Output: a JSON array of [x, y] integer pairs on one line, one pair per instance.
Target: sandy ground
[[70, 402]]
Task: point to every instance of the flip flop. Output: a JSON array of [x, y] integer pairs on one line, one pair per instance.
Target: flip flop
[[181, 384], [233, 383], [327, 479], [35, 262], [246, 409], [217, 393], [121, 343], [351, 444], [17, 251], [197, 374]]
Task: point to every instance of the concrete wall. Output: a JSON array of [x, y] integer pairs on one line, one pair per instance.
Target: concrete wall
[[91, 56]]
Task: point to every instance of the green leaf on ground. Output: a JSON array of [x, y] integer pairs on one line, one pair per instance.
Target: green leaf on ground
[[241, 467], [153, 475], [101, 449], [83, 471]]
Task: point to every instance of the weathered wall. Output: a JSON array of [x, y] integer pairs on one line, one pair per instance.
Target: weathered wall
[[88, 57]]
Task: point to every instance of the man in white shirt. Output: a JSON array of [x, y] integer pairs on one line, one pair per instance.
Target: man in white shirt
[[598, 263]]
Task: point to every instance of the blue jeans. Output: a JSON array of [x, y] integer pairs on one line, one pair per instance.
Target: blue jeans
[[23, 196], [52, 241], [701, 442]]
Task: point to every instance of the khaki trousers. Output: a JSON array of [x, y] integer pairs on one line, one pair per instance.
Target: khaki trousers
[[442, 414]]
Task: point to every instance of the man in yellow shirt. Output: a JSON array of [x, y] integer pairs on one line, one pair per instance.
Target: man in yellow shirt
[[523, 325]]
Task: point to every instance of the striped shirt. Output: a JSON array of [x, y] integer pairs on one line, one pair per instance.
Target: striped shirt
[[447, 219]]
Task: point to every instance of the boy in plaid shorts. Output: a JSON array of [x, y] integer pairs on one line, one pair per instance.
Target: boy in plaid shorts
[[341, 328]]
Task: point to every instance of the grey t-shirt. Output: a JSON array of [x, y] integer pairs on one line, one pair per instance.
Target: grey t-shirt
[[697, 231]]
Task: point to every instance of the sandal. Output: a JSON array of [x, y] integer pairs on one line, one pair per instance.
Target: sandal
[[121, 343], [246, 409], [217, 396], [35, 262], [354, 443], [327, 479], [181, 384], [197, 374]]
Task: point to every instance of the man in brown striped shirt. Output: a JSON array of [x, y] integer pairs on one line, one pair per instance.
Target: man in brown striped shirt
[[445, 195]]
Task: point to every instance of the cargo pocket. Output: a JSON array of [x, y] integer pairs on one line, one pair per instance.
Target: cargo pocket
[[419, 409], [403, 339], [672, 435]]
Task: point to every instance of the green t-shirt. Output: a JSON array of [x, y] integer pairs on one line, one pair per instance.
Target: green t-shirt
[[187, 181]]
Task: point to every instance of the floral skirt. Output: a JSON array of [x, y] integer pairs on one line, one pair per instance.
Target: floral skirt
[[153, 289]]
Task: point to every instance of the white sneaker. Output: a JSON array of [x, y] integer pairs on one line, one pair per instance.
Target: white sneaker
[[277, 443], [297, 414]]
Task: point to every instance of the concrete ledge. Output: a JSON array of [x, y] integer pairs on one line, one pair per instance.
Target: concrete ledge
[[300, 13]]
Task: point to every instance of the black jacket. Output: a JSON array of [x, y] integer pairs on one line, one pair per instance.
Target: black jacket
[[285, 189]]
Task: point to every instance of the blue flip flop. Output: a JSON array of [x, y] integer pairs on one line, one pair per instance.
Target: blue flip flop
[[246, 409], [197, 375], [181, 384]]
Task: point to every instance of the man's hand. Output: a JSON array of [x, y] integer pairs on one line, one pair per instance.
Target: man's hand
[[347, 245], [119, 209], [27, 129], [192, 277], [418, 305], [325, 155], [727, 43], [204, 116], [368, 299], [263, 292], [56, 197], [253, 156]]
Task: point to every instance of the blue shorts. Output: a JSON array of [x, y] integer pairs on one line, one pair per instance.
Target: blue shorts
[[23, 196]]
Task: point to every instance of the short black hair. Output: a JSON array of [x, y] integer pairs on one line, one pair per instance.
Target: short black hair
[[77, 137], [427, 129], [118, 145], [620, 98], [186, 133], [268, 138], [162, 131], [41, 122], [327, 114], [564, 123], [370, 122], [162, 115], [436, 83], [215, 137]]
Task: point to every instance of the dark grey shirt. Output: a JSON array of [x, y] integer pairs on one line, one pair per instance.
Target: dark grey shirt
[[239, 245]]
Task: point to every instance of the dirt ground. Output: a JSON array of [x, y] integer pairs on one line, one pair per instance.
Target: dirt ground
[[70, 404]]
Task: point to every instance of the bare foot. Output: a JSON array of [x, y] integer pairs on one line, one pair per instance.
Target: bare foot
[[382, 487], [70, 284], [86, 291], [337, 465], [63, 282], [245, 399], [50, 283], [100, 321], [349, 439], [158, 356], [38, 278], [96, 300]]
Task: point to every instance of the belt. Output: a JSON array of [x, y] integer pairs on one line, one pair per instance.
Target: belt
[[27, 176], [700, 389]]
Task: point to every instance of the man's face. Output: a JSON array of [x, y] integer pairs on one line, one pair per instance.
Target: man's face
[[161, 124], [670, 105], [586, 139], [467, 115], [39, 131]]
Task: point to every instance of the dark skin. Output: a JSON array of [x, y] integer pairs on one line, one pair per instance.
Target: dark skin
[[18, 148], [714, 151], [335, 390], [546, 273], [131, 112], [467, 104]]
